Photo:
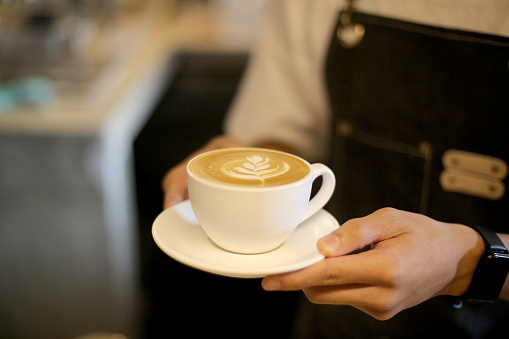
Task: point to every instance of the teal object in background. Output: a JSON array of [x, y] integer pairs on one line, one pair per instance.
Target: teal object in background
[[34, 91]]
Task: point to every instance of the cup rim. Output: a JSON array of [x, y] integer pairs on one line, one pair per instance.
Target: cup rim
[[250, 188]]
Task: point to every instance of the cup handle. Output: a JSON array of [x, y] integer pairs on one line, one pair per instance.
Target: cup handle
[[324, 193]]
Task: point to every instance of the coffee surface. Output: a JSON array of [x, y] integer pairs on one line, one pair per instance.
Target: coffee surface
[[259, 168]]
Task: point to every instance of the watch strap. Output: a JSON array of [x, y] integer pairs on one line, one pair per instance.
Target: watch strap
[[491, 272], [490, 238]]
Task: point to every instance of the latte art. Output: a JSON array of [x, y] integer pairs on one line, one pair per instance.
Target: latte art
[[249, 167], [257, 168]]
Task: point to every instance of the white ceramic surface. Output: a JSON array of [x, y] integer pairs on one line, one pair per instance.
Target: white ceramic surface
[[249, 219], [177, 232]]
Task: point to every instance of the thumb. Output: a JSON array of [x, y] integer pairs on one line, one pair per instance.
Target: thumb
[[172, 199], [175, 193], [174, 186], [353, 235]]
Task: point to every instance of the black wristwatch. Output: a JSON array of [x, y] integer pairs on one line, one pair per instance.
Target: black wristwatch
[[491, 272]]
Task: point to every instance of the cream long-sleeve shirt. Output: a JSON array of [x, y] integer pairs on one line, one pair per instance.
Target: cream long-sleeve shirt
[[283, 98]]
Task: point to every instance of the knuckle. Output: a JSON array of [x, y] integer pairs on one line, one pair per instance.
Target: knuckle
[[388, 213], [383, 316], [393, 273], [351, 231], [314, 295], [323, 295], [389, 296], [386, 303], [330, 273]]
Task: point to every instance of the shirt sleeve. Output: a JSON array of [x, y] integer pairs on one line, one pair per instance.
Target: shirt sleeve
[[282, 97]]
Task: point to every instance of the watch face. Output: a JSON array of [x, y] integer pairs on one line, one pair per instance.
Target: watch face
[[493, 276], [500, 263]]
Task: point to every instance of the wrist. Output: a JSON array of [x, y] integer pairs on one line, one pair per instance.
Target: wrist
[[471, 247], [491, 272], [489, 276]]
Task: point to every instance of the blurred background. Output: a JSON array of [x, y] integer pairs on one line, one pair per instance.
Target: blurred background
[[98, 98]]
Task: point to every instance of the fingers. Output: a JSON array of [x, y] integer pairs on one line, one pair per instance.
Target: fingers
[[362, 268], [380, 266], [411, 260], [350, 294], [340, 281], [175, 186], [381, 303], [357, 233]]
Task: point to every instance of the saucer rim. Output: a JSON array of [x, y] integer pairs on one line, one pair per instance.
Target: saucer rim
[[236, 272]]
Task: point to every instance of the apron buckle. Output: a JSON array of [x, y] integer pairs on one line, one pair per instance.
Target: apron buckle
[[473, 174]]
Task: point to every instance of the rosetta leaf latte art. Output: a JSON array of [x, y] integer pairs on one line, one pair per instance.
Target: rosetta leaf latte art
[[258, 168]]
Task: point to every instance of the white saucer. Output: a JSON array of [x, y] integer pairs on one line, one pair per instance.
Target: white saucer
[[177, 232]]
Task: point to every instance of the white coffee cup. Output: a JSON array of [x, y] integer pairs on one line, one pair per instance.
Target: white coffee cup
[[250, 200]]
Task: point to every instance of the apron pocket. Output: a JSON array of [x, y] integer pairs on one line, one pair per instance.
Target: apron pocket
[[375, 172]]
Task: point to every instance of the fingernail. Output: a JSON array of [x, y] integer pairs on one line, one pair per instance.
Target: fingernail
[[330, 244]]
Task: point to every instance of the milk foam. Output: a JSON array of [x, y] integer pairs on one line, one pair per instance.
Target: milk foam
[[249, 167], [256, 168]]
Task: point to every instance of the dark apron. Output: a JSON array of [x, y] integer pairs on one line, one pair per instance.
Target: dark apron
[[413, 106]]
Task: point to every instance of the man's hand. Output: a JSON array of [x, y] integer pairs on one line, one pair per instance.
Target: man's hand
[[412, 258]]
